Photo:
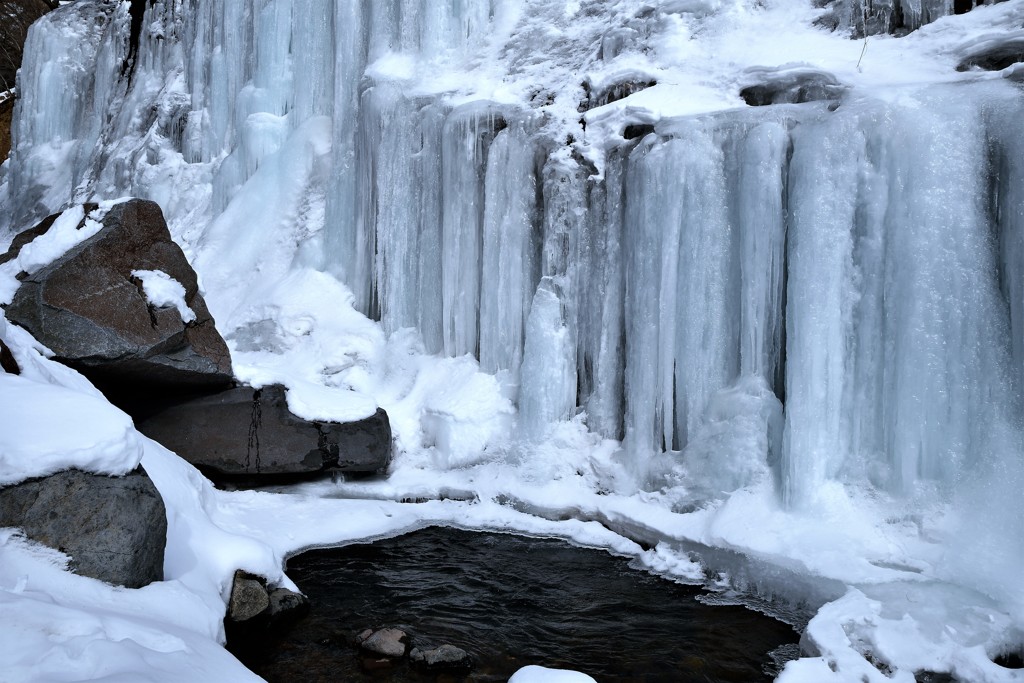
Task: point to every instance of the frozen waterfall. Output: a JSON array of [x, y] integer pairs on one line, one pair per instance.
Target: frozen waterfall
[[862, 262]]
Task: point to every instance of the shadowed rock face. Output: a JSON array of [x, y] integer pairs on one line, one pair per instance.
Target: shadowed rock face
[[995, 57], [250, 433], [114, 528], [791, 87], [93, 314]]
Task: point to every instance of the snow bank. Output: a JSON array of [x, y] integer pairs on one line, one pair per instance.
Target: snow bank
[[540, 674]]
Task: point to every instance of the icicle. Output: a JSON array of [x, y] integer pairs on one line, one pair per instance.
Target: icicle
[[467, 133], [509, 259], [548, 390], [759, 195], [823, 200]]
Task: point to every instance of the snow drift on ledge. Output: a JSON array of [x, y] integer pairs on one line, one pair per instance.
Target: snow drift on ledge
[[587, 281]]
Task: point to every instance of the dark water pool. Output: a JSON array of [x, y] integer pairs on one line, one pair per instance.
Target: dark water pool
[[512, 601]]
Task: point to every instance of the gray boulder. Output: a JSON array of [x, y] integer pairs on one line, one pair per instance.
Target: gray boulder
[[246, 432], [254, 608], [88, 308], [114, 528], [385, 642], [249, 597]]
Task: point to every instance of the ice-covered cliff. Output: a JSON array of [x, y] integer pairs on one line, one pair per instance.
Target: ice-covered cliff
[[805, 314]]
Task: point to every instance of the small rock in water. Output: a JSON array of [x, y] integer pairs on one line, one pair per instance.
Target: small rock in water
[[389, 642], [444, 658], [248, 598], [286, 606]]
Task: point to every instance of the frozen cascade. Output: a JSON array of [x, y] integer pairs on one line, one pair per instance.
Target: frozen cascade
[[750, 244]]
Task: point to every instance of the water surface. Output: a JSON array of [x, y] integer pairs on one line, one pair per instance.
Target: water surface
[[513, 601]]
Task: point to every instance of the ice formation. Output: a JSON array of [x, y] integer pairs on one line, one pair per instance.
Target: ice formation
[[795, 331]]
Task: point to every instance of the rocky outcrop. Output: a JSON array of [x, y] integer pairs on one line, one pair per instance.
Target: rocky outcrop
[[994, 55], [93, 313], [114, 528], [246, 432], [792, 86]]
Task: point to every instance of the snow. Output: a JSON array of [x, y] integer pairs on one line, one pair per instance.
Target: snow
[[163, 290], [540, 674], [46, 429], [781, 346]]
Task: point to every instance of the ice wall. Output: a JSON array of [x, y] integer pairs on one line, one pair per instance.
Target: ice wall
[[859, 266], [871, 17]]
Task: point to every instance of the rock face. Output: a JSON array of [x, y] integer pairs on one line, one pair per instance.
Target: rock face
[[114, 528], [88, 308], [246, 431]]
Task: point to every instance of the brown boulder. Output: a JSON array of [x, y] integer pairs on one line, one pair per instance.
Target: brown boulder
[[88, 308]]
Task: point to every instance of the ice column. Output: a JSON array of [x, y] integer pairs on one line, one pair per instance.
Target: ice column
[[823, 200], [601, 302], [510, 259], [681, 288]]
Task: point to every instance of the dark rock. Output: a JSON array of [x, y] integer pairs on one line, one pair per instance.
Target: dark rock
[[249, 598], [114, 528], [794, 86], [7, 361], [92, 313], [244, 431], [286, 606], [995, 57], [443, 658], [637, 130], [598, 97], [257, 613], [386, 642]]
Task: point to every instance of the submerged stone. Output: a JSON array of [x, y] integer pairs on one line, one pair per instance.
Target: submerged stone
[[387, 642], [444, 658]]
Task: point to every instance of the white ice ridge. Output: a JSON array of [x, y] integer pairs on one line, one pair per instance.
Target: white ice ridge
[[163, 290]]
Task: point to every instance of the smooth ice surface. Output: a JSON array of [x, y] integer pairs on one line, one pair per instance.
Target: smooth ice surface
[[781, 345]]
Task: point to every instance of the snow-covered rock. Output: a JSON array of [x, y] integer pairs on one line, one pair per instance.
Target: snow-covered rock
[[78, 292]]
